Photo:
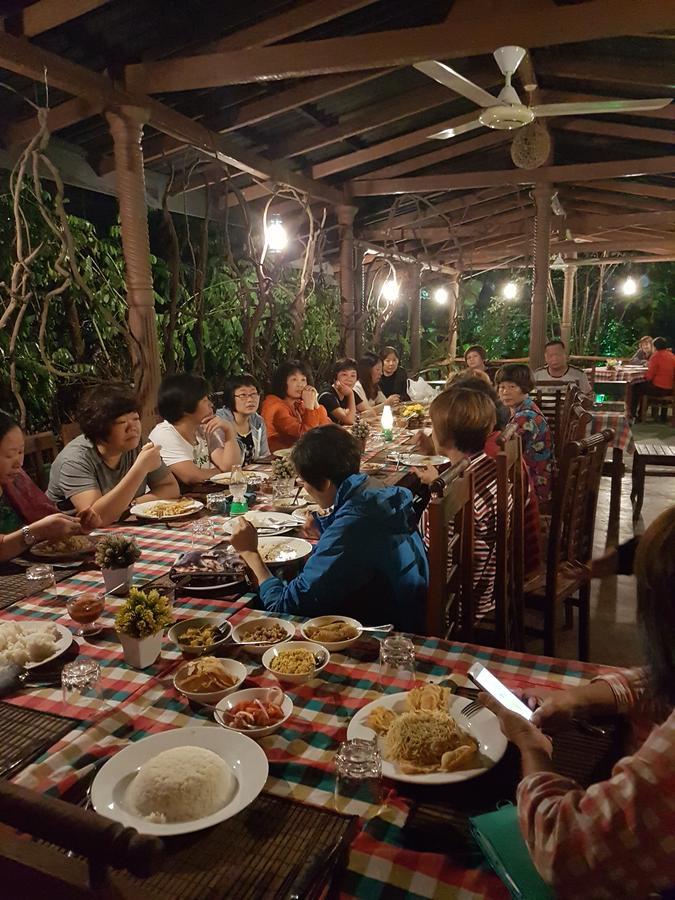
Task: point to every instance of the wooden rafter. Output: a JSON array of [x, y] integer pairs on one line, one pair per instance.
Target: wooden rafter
[[584, 125], [30, 61], [471, 206], [47, 14], [546, 174], [431, 233], [658, 191], [667, 112], [660, 76], [461, 35], [590, 224], [605, 201]]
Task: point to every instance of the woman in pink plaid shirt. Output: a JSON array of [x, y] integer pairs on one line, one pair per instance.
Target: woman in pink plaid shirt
[[616, 839]]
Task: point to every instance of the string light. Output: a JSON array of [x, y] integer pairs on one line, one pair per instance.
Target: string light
[[390, 290], [275, 235], [629, 287], [441, 296], [510, 290]]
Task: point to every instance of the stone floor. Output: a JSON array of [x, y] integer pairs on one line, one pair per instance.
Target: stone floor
[[615, 636]]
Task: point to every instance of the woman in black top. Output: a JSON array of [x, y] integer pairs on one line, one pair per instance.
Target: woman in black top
[[394, 381], [340, 400]]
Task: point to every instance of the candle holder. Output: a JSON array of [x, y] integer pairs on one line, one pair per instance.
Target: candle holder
[[387, 422]]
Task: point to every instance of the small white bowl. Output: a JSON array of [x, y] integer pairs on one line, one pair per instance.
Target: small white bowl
[[233, 700], [240, 631], [178, 628], [324, 620], [273, 652], [210, 698]]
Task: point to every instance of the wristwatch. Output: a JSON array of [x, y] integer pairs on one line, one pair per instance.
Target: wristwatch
[[28, 537]]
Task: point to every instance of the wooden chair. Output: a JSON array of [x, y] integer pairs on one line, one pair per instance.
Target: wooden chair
[[661, 403], [40, 451], [69, 431], [549, 397], [570, 540], [450, 517], [509, 583]]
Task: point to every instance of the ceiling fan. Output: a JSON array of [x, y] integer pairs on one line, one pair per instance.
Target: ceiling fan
[[506, 112]]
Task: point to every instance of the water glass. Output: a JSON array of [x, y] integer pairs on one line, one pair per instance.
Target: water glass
[[203, 531], [283, 488], [41, 573], [80, 679], [358, 778], [397, 664], [217, 503]]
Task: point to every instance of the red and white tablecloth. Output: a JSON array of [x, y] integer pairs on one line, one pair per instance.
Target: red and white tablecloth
[[628, 374], [623, 434]]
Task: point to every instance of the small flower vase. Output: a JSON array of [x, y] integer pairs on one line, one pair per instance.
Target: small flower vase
[[118, 581], [139, 653]]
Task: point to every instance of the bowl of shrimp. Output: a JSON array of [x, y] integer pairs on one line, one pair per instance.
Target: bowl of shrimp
[[255, 712]]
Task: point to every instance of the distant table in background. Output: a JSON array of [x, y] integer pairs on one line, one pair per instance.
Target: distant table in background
[[615, 468], [626, 375]]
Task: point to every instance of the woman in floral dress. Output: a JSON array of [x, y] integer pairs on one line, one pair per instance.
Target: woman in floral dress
[[514, 383]]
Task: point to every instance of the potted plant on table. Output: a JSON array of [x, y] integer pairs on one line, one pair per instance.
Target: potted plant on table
[[283, 477], [360, 432], [140, 624], [116, 555]]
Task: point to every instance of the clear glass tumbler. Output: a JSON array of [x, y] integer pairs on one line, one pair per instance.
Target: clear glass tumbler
[[358, 778], [80, 679], [203, 531], [41, 577], [397, 664]]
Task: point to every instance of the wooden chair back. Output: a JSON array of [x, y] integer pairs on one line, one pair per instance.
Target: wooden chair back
[[69, 431], [40, 451], [450, 517], [510, 575], [571, 399], [549, 397], [660, 401]]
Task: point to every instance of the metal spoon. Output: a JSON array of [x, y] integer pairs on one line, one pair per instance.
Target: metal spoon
[[388, 627]]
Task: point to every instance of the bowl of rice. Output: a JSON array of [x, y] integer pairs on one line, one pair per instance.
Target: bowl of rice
[[207, 679], [261, 632], [296, 661]]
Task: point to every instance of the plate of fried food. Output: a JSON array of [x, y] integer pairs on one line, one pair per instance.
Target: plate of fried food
[[425, 739], [74, 547], [208, 679], [166, 510], [202, 571], [332, 632]]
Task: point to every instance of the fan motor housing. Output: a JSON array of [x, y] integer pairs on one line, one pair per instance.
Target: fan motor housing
[[506, 118]]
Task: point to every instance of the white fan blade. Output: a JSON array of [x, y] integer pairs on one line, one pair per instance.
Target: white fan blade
[[458, 83], [599, 106], [453, 132]]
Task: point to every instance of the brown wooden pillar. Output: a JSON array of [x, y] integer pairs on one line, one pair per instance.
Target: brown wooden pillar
[[348, 306], [542, 248], [415, 319], [126, 125], [453, 299], [568, 298]]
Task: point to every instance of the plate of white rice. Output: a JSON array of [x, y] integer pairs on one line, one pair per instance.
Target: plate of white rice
[[32, 643], [181, 780]]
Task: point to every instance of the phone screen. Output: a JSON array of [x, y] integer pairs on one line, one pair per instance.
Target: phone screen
[[499, 691]]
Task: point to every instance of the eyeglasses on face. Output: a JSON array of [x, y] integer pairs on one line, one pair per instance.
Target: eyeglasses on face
[[252, 395]]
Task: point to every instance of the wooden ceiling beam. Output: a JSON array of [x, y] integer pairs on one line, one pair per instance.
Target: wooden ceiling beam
[[30, 61], [658, 75], [460, 35], [452, 150], [472, 206], [658, 191], [546, 174], [47, 14], [577, 193], [584, 125], [453, 229], [654, 246], [593, 223], [667, 112]]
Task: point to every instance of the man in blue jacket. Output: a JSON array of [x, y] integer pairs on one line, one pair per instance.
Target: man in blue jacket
[[369, 562]]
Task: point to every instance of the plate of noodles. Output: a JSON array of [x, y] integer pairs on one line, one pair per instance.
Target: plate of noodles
[[425, 739], [75, 546], [166, 510]]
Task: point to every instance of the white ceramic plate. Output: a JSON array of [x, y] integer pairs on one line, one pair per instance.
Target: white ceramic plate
[[484, 727], [277, 551], [274, 651], [290, 502], [252, 694], [324, 620], [299, 514], [63, 641], [45, 549], [281, 453], [221, 478], [271, 522], [240, 633], [144, 510], [244, 756], [419, 459], [179, 627], [233, 668]]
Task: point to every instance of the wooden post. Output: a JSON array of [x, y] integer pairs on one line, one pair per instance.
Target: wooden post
[[348, 309], [542, 247], [453, 298], [568, 297], [415, 320], [126, 126]]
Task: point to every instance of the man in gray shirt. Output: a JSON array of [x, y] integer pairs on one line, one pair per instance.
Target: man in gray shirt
[[558, 369], [105, 468]]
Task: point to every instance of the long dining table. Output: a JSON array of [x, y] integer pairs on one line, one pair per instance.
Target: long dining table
[[416, 844]]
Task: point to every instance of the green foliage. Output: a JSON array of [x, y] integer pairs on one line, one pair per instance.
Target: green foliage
[[143, 614], [116, 552]]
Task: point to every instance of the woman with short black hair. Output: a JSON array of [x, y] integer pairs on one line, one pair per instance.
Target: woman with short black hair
[[292, 406], [105, 467], [394, 381], [341, 400], [241, 399], [195, 444]]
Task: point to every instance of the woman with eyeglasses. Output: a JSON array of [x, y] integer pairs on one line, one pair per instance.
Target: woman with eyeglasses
[[241, 399]]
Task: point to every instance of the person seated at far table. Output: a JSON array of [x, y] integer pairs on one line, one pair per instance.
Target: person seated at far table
[[240, 407], [660, 375], [475, 358], [557, 368], [340, 399], [614, 839], [367, 388], [514, 383], [26, 514], [644, 351], [292, 406], [194, 443], [105, 467], [369, 562], [394, 380]]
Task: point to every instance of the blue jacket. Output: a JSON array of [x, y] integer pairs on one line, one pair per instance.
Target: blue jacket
[[260, 446], [369, 563]]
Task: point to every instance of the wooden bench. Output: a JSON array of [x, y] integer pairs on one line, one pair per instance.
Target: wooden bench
[[648, 453]]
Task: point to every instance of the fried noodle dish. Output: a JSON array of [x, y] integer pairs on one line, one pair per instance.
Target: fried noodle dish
[[425, 738], [169, 508]]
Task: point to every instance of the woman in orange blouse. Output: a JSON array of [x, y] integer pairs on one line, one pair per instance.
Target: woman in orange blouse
[[292, 406], [617, 838]]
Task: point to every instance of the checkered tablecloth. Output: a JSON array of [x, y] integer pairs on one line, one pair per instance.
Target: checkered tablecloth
[[628, 374], [623, 433]]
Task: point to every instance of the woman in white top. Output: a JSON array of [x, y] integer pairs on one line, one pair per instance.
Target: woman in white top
[[367, 387], [195, 444]]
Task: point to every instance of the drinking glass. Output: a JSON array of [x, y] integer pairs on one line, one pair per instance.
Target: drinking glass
[[238, 491], [85, 609], [81, 679], [203, 530], [283, 489], [217, 503], [358, 778], [397, 664]]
